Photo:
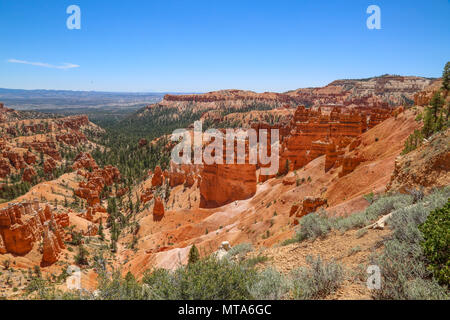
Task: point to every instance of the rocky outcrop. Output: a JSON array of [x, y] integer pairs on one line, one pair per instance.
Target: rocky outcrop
[[288, 181], [73, 138], [49, 165], [176, 179], [96, 179], [84, 161], [311, 204], [225, 183], [294, 209], [52, 244], [15, 159], [45, 147], [143, 142], [29, 158], [95, 213], [22, 225], [157, 178], [158, 208], [91, 196], [189, 181], [349, 164], [426, 167], [28, 174], [73, 122], [146, 196], [333, 157], [377, 116], [423, 97], [5, 169], [312, 133]]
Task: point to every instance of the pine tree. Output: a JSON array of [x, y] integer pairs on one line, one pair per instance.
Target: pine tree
[[446, 77], [436, 104], [100, 231], [194, 255]]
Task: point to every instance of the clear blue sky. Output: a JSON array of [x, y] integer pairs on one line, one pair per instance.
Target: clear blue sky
[[198, 46]]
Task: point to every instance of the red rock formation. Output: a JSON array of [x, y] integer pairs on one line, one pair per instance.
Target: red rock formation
[[96, 180], [311, 204], [332, 156], [28, 174], [176, 179], [288, 181], [95, 214], [158, 208], [157, 178], [121, 192], [189, 181], [73, 122], [142, 142], [377, 116], [225, 183], [5, 169], [52, 245], [72, 138], [312, 132], [62, 219], [84, 160], [29, 158], [146, 196], [294, 210], [91, 196], [349, 164], [45, 147], [49, 165], [354, 144], [24, 224], [15, 159]]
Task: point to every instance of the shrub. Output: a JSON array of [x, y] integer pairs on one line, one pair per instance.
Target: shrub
[[81, 257], [436, 243], [194, 255], [270, 285], [313, 226], [118, 288], [403, 269], [239, 250], [370, 197], [251, 262], [207, 279], [317, 281], [6, 264]]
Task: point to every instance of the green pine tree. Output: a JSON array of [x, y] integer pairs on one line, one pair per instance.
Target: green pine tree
[[194, 255]]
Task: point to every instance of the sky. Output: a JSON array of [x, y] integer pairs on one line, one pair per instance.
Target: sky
[[200, 46]]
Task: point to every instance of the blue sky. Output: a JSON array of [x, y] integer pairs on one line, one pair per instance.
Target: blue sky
[[198, 46]]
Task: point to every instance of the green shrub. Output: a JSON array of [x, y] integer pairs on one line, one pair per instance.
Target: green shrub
[[436, 243], [118, 288], [269, 285], [208, 279], [251, 262], [317, 281], [82, 257], [194, 255], [318, 225], [239, 250], [313, 226], [402, 264]]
